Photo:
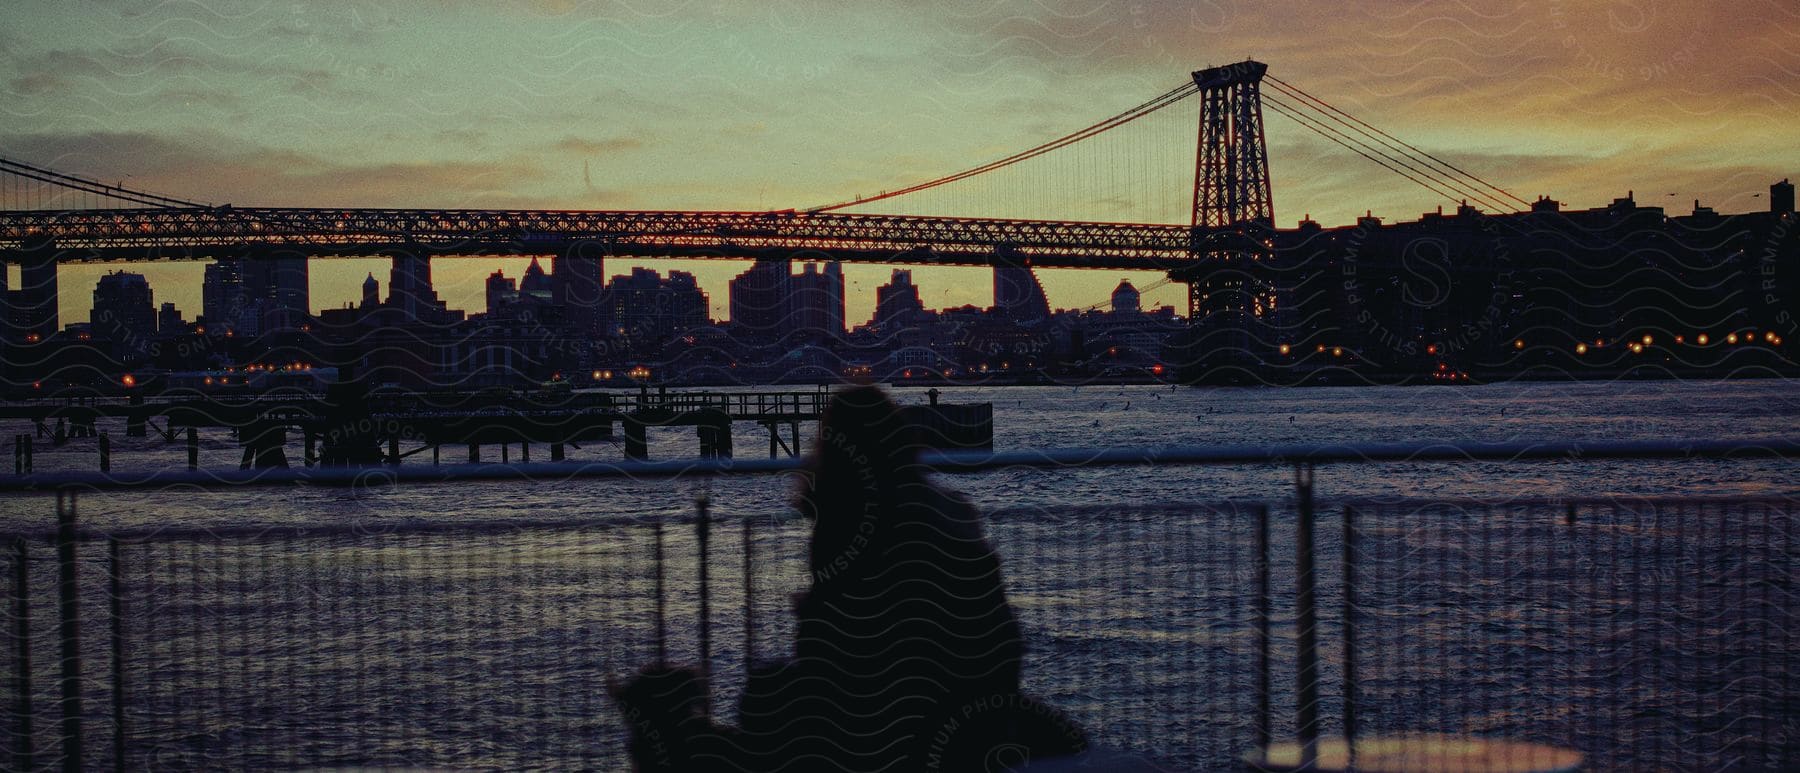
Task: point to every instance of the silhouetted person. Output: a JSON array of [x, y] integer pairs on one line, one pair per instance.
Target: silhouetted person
[[907, 653]]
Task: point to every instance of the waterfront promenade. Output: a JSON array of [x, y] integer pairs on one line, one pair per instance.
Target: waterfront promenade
[[1643, 631]]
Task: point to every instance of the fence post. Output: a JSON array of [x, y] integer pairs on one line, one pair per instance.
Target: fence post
[[1306, 687], [22, 628], [1262, 627], [69, 630], [105, 452], [193, 448], [1350, 540], [702, 534], [116, 581]]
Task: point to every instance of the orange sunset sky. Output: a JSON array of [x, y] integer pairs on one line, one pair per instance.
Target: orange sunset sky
[[794, 103]]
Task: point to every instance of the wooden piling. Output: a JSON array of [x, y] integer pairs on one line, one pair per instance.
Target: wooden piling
[[134, 422], [637, 446]]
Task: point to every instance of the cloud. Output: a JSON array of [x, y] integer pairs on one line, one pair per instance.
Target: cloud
[[601, 147], [712, 105], [220, 169]]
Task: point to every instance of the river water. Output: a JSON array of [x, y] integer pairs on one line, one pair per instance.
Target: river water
[[1094, 416], [1647, 635]]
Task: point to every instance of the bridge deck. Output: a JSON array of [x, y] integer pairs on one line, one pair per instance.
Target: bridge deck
[[197, 233]]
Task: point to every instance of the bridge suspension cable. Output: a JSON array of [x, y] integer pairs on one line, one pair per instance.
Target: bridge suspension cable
[[1355, 146], [1296, 92], [1159, 102], [95, 187], [1395, 155]]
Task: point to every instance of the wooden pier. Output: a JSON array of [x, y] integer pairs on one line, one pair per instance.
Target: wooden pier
[[350, 426]]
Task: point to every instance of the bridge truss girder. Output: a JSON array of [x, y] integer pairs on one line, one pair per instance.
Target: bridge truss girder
[[177, 233]]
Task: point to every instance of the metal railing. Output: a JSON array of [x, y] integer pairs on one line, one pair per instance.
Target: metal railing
[[1646, 633]]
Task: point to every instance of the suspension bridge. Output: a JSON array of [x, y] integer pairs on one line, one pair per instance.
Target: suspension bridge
[[48, 217]]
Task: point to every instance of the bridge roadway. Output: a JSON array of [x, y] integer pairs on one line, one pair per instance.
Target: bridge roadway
[[180, 233]]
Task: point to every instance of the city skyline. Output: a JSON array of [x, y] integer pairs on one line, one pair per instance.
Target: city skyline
[[597, 106], [374, 289]]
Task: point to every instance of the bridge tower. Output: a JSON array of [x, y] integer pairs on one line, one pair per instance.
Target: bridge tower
[[1233, 220], [1231, 166]]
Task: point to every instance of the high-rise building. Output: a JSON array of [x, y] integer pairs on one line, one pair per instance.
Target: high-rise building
[[32, 308], [759, 297], [278, 283], [501, 290], [647, 308], [124, 309], [168, 320], [1126, 299], [816, 300], [223, 297], [409, 286], [371, 292], [897, 302], [1017, 294], [768, 298], [688, 305], [1781, 198], [578, 284], [250, 294], [536, 283]]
